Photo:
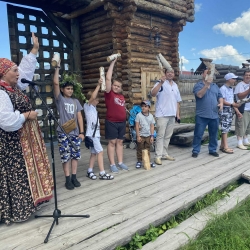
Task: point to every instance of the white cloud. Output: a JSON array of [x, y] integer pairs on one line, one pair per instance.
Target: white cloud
[[183, 60], [226, 53], [193, 49], [197, 7], [240, 27]]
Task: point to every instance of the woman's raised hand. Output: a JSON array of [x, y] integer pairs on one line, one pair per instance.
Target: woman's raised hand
[[35, 44]]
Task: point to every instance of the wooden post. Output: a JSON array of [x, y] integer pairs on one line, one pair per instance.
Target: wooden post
[[76, 45], [146, 159]]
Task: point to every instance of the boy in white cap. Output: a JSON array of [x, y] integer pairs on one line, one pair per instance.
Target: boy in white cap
[[144, 126], [226, 115]]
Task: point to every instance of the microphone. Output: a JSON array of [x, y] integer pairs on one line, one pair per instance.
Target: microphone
[[23, 80]]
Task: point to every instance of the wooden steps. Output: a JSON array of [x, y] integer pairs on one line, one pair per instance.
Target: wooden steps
[[184, 133], [183, 127], [186, 139]]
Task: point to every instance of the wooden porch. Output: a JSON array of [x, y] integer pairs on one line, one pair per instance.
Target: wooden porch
[[128, 204]]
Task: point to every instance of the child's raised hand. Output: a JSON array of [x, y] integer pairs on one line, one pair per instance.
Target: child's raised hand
[[114, 61], [100, 82], [59, 63]]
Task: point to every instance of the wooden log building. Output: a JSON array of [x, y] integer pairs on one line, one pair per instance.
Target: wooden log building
[[223, 69], [86, 32]]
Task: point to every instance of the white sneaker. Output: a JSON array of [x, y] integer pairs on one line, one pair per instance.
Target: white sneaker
[[168, 157], [246, 144], [241, 146], [158, 161]]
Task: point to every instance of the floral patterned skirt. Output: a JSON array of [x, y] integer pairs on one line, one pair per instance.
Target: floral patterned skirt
[[25, 176]]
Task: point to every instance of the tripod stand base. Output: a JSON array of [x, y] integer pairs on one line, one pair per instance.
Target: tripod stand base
[[56, 215]]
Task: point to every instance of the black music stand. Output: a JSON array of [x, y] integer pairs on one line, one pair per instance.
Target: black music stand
[[57, 213]]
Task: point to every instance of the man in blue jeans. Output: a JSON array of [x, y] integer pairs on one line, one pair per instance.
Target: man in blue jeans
[[209, 101]]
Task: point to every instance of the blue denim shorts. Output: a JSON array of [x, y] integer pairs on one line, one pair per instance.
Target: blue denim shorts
[[67, 152]]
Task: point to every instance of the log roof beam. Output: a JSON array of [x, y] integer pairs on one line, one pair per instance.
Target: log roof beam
[[158, 8], [93, 5], [172, 8], [60, 25]]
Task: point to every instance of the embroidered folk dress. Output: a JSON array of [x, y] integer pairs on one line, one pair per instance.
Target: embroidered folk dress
[[25, 176]]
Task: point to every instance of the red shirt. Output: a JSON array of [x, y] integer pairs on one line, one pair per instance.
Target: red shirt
[[115, 104]]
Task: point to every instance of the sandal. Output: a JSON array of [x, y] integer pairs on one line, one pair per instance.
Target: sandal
[[106, 177], [152, 164], [91, 175], [138, 164], [227, 150]]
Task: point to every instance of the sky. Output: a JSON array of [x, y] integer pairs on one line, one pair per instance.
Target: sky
[[221, 31]]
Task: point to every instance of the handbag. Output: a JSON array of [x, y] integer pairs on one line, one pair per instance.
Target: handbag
[[88, 141], [70, 125]]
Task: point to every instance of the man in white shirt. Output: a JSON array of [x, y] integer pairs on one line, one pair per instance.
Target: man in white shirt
[[166, 109], [242, 125]]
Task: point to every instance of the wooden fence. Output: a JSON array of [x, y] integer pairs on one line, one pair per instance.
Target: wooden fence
[[188, 99]]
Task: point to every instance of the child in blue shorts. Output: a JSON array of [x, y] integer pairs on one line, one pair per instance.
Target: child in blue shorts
[[93, 128], [68, 108]]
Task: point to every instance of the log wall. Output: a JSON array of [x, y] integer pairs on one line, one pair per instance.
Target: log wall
[[96, 38], [124, 27]]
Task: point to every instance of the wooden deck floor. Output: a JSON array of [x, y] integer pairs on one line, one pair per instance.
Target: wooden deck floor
[[128, 204]]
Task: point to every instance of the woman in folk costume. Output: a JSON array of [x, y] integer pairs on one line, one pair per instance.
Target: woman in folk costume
[[25, 176]]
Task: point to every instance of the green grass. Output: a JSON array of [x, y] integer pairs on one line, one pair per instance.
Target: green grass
[[228, 232], [155, 231], [188, 120]]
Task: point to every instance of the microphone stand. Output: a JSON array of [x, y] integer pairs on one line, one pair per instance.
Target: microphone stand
[[57, 213]]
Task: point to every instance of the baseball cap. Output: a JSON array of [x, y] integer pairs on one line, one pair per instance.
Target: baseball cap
[[146, 102], [229, 76]]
